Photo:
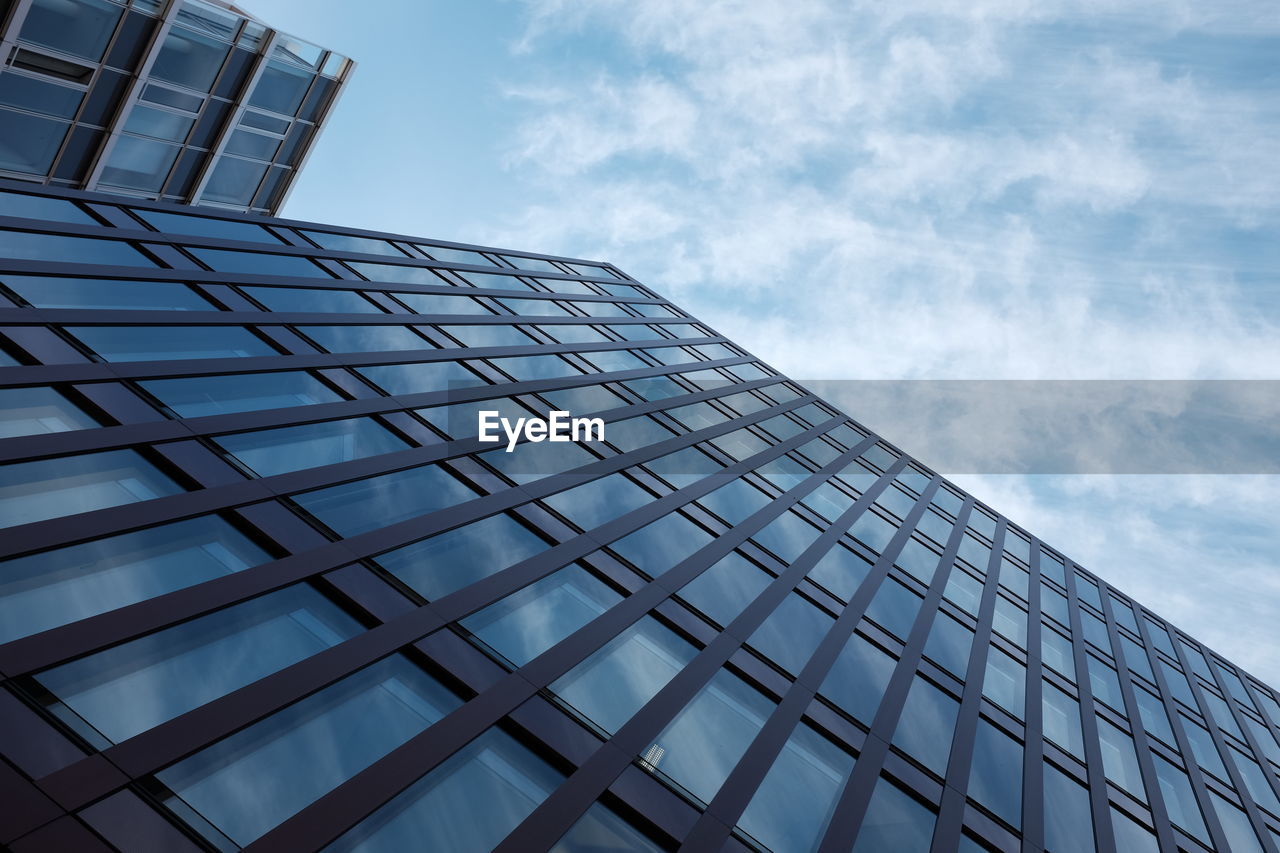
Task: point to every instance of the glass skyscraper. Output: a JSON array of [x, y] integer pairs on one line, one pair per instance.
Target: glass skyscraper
[[189, 101], [262, 587]]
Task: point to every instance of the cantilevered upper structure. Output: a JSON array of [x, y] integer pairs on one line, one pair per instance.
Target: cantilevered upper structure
[[261, 586], [191, 101]]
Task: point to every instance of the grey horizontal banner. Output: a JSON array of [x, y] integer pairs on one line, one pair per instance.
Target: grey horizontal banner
[[1071, 426]]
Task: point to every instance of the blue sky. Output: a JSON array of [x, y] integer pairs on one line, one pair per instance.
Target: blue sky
[[992, 189]]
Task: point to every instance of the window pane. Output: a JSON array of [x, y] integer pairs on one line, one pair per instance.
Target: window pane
[[858, 677], [239, 392], [1062, 721], [995, 777], [47, 292], [190, 59], [949, 644], [78, 27], [135, 686], [705, 740], [1005, 682], [470, 802], [794, 803], [29, 143], [420, 378], [531, 620], [1120, 759], [733, 502], [1179, 799], [1154, 719], [1105, 683], [351, 243], [37, 411], [894, 607], [790, 634], [365, 505], [787, 536], [251, 781], [40, 207], [1068, 821], [1131, 837], [592, 504], [139, 164], [234, 181], [441, 303], [602, 831], [228, 229], [277, 451], [726, 588], [657, 547], [840, 571], [450, 561], [926, 726], [616, 681], [894, 821], [281, 88], [54, 588], [54, 247], [258, 263], [1235, 825], [162, 343], [52, 488], [365, 338]]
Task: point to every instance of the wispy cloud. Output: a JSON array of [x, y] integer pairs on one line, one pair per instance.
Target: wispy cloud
[[994, 189]]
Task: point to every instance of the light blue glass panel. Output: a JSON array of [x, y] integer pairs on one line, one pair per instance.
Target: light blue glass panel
[[602, 831], [198, 396], [258, 263], [531, 620], [726, 588], [457, 256], [278, 451], [163, 343], [1062, 720], [684, 467], [1235, 825], [38, 411], [787, 536], [634, 433], [470, 802], [1255, 781], [1105, 683], [450, 561], [525, 307], [592, 504], [135, 686], [828, 501], [49, 292], [366, 338], [28, 143], [395, 273], [964, 590], [1068, 821], [791, 632], [1120, 759], [248, 783], [926, 726], [894, 608], [366, 505], [703, 743], [949, 644], [489, 335], [733, 501], [526, 368], [309, 299], [54, 588], [872, 531], [657, 547], [918, 561], [1056, 652], [40, 207], [616, 681], [840, 571], [420, 378], [1179, 799], [76, 250], [52, 488], [894, 821], [1202, 748], [1132, 837], [995, 776], [794, 803], [858, 677], [352, 243], [441, 303], [1005, 682], [1011, 621], [1154, 719], [78, 27]]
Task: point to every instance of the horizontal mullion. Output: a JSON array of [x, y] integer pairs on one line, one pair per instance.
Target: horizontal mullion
[[105, 232], [46, 374], [26, 447], [147, 317]]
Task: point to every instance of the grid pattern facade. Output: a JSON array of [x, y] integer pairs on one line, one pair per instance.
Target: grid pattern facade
[[181, 100], [262, 588]]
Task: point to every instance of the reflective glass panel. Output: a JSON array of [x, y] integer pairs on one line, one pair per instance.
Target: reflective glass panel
[[38, 411], [251, 781], [48, 292], [1068, 820], [420, 378], [616, 681], [40, 207], [135, 686], [858, 677], [278, 451], [894, 821], [450, 561], [375, 502], [726, 588], [258, 263], [791, 632], [162, 343], [995, 776], [55, 247], [531, 620], [926, 726], [794, 803], [600, 830], [241, 392], [56, 587], [657, 547], [365, 338], [52, 488]]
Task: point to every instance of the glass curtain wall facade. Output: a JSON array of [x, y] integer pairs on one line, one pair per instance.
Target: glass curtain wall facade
[[189, 101], [262, 588]]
